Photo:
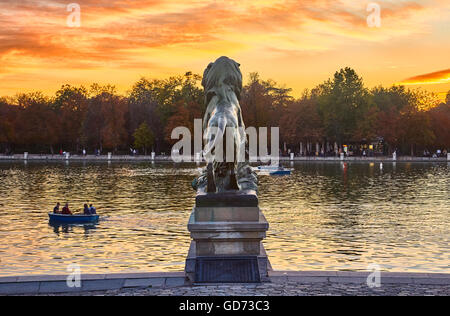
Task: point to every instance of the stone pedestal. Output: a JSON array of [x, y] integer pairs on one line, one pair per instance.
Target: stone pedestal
[[227, 230]]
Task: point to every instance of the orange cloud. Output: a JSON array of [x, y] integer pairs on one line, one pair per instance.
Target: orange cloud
[[438, 77], [164, 37]]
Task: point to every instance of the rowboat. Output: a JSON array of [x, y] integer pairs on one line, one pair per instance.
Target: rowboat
[[267, 168], [281, 172], [73, 219], [273, 170]]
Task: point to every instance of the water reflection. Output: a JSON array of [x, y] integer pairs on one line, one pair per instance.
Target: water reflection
[[60, 228], [326, 216]]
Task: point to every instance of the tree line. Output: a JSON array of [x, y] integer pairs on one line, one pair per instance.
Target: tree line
[[341, 110]]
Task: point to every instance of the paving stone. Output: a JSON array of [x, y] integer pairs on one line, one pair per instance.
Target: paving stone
[[40, 278], [395, 280], [404, 274], [308, 279], [153, 282], [353, 274], [57, 287], [442, 281], [439, 275], [19, 288], [312, 273], [8, 279], [102, 285], [342, 279], [171, 282], [283, 284], [128, 276]]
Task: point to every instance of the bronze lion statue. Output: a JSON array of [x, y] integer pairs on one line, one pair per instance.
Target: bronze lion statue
[[222, 81]]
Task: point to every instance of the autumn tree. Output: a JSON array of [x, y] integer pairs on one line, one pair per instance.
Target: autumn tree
[[184, 116], [7, 117], [263, 102], [301, 121], [440, 124], [70, 104], [143, 137], [341, 109], [104, 125], [37, 123], [390, 103]]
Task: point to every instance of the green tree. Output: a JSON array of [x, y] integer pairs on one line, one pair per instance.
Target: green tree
[[143, 137], [343, 102]]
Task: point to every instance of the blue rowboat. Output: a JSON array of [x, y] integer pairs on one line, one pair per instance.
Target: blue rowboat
[[268, 167], [73, 219], [281, 172]]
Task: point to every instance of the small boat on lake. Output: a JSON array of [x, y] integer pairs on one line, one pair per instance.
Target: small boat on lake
[[267, 168], [73, 219], [281, 172], [274, 170]]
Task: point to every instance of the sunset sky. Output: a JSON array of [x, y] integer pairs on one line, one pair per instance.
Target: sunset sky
[[296, 43]]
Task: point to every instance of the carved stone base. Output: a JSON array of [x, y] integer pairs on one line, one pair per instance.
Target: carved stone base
[[227, 232]]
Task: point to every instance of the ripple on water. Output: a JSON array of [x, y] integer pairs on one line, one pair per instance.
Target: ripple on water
[[321, 218]]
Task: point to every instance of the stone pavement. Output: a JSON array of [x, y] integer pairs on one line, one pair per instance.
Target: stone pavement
[[284, 289], [292, 283]]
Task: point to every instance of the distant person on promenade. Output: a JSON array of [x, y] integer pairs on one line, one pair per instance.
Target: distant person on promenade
[[56, 209], [87, 210], [92, 209], [65, 210]]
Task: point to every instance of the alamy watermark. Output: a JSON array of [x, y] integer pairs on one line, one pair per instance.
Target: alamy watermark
[[239, 144], [374, 278], [74, 18], [74, 278], [374, 18]]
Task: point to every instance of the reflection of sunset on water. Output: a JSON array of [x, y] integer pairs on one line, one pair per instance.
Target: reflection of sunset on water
[[323, 217]]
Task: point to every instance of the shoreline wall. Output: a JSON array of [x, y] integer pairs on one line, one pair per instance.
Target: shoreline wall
[[124, 158]]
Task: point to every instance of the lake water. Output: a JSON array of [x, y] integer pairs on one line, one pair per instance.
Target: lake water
[[326, 216]]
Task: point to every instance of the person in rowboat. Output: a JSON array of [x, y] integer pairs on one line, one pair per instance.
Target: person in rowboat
[[56, 209], [87, 210], [66, 210], [92, 209]]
